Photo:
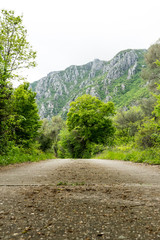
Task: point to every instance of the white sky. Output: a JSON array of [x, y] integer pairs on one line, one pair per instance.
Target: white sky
[[74, 32]]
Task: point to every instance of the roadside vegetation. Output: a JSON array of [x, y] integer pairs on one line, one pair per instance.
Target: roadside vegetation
[[137, 136], [19, 118], [92, 128], [131, 134]]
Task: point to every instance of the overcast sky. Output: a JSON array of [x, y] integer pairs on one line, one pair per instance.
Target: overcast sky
[[74, 32]]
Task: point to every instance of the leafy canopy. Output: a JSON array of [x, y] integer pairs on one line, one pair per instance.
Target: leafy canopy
[[15, 51], [91, 117], [152, 72], [26, 115], [15, 54], [49, 133]]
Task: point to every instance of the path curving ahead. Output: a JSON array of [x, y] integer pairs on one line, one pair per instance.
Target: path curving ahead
[[80, 199]]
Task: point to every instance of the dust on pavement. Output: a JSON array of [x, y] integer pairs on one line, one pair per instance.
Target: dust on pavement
[[80, 199]]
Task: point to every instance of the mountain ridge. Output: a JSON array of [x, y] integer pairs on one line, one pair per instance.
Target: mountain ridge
[[107, 80]]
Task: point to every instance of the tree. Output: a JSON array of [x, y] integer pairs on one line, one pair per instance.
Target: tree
[[91, 118], [89, 128], [26, 118], [127, 123], [152, 72], [5, 107], [15, 51], [49, 132], [15, 54], [147, 106], [72, 145], [148, 135]]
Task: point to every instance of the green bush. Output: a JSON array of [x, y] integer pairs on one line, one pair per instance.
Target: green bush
[[148, 135], [150, 155], [72, 145], [18, 155]]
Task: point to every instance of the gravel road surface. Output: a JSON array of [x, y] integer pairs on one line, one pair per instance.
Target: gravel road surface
[[83, 199]]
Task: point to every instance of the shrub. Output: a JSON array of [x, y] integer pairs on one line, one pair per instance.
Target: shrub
[[148, 135]]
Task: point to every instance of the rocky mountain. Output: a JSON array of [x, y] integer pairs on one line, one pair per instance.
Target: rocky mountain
[[117, 80]]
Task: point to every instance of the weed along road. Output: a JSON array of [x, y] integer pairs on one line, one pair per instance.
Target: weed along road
[[80, 199]]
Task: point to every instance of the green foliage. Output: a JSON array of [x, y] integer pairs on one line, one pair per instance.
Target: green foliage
[[18, 155], [149, 155], [45, 142], [127, 124], [91, 118], [153, 55], [152, 72], [133, 89], [138, 127], [19, 119], [5, 105], [26, 119], [148, 135], [72, 145], [16, 51], [89, 127], [48, 134], [5, 113], [157, 104], [147, 106]]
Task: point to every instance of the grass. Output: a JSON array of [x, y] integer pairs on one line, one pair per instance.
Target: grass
[[150, 156], [16, 155]]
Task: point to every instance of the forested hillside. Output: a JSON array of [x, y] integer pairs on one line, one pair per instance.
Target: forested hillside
[[118, 80]]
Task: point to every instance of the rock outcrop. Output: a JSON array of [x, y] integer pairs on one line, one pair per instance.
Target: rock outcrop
[[98, 78]]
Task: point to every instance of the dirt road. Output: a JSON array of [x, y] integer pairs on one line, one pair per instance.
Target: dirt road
[[80, 199]]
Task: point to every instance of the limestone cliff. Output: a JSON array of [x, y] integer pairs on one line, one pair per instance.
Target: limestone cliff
[[104, 79]]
